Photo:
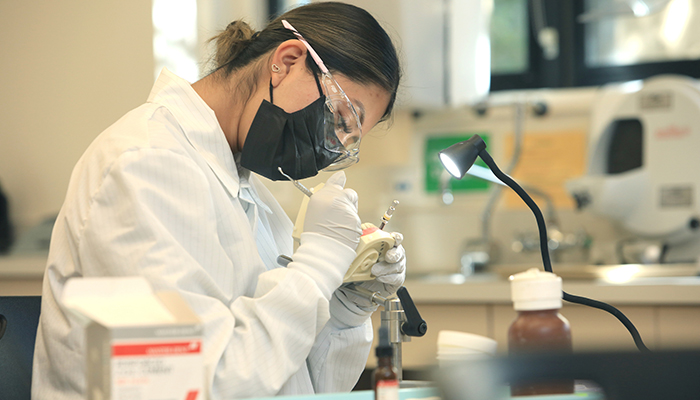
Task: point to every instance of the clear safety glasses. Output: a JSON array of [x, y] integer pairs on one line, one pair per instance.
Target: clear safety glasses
[[343, 130]]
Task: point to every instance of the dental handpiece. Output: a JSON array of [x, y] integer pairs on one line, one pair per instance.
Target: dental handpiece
[[388, 213], [296, 183]]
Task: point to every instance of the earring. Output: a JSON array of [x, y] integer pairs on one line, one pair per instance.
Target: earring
[[275, 68]]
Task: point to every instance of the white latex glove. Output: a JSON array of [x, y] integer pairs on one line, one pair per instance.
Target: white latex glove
[[331, 235], [390, 275], [332, 212]]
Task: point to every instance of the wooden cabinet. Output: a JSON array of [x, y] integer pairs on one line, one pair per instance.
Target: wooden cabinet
[[591, 329], [421, 351], [678, 327], [21, 276], [661, 328]]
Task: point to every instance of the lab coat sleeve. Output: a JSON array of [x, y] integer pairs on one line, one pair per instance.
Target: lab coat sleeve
[[153, 216], [340, 352]]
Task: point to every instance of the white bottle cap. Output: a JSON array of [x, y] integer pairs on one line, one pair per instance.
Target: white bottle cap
[[535, 290]]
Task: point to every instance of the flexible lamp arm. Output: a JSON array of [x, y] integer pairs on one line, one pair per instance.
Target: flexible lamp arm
[[462, 155], [541, 226]]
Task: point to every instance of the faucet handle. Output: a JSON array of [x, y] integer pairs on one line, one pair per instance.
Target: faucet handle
[[414, 325]]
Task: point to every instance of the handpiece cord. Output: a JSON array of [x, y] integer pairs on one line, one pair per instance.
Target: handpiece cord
[[545, 253]]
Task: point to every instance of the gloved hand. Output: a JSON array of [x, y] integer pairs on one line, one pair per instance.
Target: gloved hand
[[332, 212], [331, 234], [390, 275]]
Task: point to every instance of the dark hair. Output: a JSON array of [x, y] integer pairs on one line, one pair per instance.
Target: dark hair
[[347, 38]]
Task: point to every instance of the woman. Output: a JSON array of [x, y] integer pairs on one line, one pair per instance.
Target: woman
[[166, 193]]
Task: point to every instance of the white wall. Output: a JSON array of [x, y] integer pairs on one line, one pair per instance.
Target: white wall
[[69, 69]]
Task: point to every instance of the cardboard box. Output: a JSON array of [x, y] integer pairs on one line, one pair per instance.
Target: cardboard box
[[140, 344]]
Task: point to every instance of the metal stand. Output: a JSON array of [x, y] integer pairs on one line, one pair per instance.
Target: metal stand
[[400, 317]]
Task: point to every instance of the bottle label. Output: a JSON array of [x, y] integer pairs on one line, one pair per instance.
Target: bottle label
[[387, 390]]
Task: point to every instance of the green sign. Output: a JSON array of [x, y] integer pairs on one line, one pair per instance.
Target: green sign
[[434, 169]]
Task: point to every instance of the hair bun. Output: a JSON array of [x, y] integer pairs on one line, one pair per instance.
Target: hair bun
[[231, 41], [240, 29]]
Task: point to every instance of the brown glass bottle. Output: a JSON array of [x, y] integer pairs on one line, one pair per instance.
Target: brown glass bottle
[[385, 379], [540, 331], [539, 328]]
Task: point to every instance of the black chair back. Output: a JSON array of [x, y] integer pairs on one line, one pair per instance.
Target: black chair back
[[19, 317]]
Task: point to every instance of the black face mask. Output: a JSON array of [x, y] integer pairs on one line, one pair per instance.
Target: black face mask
[[292, 141]]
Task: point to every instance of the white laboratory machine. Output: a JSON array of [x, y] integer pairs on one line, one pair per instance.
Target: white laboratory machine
[[643, 165]]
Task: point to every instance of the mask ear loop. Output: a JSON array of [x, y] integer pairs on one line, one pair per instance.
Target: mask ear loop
[[318, 84], [271, 102]]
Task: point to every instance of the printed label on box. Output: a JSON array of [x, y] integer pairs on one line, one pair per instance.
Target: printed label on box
[[157, 370]]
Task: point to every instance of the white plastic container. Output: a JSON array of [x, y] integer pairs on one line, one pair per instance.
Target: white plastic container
[[458, 346]]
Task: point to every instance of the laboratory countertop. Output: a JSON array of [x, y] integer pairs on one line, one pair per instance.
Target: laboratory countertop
[[621, 285], [22, 267]]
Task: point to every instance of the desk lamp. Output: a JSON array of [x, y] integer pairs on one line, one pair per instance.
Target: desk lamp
[[458, 158]]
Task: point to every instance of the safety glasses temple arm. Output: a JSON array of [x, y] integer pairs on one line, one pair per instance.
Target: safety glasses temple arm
[[313, 53]]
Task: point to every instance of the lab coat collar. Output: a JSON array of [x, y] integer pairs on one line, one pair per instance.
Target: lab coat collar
[[203, 132], [248, 192]]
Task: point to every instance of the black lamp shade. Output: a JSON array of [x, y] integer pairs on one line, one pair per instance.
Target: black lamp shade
[[458, 158]]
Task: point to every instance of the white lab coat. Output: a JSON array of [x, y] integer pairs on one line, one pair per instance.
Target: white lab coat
[[159, 194]]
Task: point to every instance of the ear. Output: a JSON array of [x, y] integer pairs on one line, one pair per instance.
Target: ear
[[289, 56]]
